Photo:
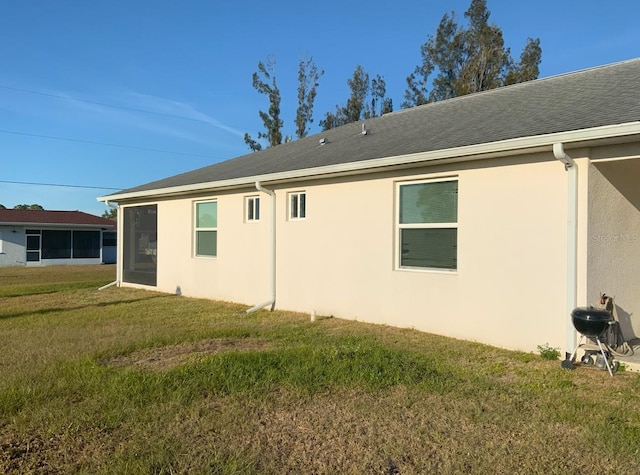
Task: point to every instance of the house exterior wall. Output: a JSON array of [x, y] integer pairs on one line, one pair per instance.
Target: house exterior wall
[[238, 273], [13, 248], [509, 288], [12, 251], [614, 238]]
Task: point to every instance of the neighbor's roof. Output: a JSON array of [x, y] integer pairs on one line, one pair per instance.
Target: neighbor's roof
[[592, 98], [52, 218]]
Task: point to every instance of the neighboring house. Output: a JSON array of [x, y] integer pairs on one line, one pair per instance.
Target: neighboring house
[[37, 237], [487, 217]]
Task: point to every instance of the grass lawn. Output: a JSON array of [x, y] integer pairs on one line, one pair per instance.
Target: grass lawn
[[129, 381]]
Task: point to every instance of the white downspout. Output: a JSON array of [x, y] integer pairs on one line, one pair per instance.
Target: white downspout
[[572, 242], [117, 281], [272, 252]]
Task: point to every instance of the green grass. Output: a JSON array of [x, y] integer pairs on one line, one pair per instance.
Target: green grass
[[130, 381]]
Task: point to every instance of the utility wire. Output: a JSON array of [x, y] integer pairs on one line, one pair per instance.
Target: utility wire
[[60, 185], [106, 144], [133, 109]]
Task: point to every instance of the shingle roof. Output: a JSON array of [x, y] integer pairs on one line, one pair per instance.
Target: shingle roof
[[56, 218], [606, 95]]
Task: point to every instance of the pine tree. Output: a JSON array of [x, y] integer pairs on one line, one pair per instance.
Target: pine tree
[[468, 60], [357, 106], [308, 75], [264, 81]]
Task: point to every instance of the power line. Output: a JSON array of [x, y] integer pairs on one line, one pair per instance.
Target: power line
[[60, 185], [132, 109], [106, 144]]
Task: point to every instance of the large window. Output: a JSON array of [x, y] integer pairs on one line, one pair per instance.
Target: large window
[[297, 205], [140, 244], [56, 244], [206, 228], [428, 224], [86, 244]]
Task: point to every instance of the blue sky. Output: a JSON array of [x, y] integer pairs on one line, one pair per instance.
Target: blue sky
[[190, 63]]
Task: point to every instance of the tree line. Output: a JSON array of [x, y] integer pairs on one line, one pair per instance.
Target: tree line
[[24, 206], [455, 61]]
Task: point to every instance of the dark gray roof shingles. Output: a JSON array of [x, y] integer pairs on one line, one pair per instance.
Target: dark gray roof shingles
[[71, 218], [606, 95]]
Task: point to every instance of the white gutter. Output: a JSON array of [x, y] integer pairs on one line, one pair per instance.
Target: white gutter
[[572, 242], [117, 281], [272, 252], [509, 147]]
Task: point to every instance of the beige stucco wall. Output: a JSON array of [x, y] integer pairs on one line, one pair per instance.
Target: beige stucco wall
[[238, 273], [614, 237], [509, 289]]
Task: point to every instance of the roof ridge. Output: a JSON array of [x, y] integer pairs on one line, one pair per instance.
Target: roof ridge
[[517, 85]]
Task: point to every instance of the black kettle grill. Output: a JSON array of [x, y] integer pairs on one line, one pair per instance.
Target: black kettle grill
[[592, 322]]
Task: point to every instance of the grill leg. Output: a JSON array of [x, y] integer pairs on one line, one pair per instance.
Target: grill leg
[[573, 355], [604, 355]]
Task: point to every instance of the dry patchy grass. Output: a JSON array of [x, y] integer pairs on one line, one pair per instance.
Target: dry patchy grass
[[128, 381]]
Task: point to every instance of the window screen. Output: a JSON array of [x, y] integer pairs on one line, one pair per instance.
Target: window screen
[[253, 208], [206, 231], [298, 205], [428, 224], [86, 244], [140, 244], [56, 244]]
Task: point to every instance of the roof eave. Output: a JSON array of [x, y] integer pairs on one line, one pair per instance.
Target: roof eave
[[57, 225], [530, 144]]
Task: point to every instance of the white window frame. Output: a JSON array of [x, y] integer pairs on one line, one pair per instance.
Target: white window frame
[[400, 226], [297, 207], [1, 243], [252, 209], [196, 229]]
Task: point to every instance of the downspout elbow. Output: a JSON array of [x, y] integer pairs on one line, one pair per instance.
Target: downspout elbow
[[560, 154]]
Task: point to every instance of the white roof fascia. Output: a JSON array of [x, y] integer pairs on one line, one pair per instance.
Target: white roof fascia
[[535, 143]]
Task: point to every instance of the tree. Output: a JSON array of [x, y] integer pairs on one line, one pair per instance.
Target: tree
[[2, 206], [308, 75], [528, 66], [25, 206], [264, 81], [468, 60], [359, 86], [357, 107], [111, 213], [378, 92]]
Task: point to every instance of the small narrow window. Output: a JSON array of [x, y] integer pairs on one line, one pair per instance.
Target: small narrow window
[[298, 205], [206, 228], [253, 208]]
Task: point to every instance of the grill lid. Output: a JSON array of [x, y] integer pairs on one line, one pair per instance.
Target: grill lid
[[590, 321]]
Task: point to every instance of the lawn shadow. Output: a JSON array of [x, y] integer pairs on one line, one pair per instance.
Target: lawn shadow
[[47, 311]]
